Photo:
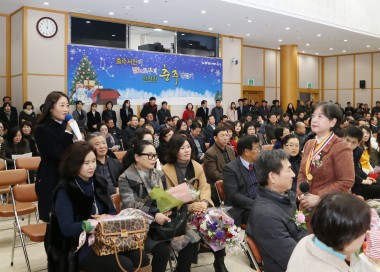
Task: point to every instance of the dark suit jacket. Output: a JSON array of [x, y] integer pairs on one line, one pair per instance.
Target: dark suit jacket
[[93, 120], [214, 162], [124, 117], [106, 116], [13, 121], [201, 113], [236, 186], [52, 141], [162, 114], [271, 226], [194, 146], [114, 167], [209, 131], [242, 112]]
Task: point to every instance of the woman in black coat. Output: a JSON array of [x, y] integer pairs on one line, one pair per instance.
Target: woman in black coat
[[109, 113], [125, 114], [93, 118], [291, 145], [13, 145], [8, 115], [53, 135]]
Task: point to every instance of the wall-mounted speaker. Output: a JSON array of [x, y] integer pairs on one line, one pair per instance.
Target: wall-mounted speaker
[[362, 84]]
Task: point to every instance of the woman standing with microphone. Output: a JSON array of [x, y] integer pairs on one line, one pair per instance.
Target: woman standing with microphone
[[327, 163], [53, 135]]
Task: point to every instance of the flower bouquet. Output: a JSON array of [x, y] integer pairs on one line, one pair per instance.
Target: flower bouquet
[[300, 219], [217, 229]]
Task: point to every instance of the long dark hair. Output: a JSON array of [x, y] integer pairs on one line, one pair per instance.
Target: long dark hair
[[125, 102], [12, 133], [174, 145], [50, 101], [368, 143]]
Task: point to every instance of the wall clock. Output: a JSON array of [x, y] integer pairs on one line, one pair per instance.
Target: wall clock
[[47, 27]]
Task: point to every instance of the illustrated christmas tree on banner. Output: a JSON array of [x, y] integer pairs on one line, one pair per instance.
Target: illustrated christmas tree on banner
[[85, 81]]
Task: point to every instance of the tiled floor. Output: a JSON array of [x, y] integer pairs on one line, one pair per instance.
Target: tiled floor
[[37, 257]]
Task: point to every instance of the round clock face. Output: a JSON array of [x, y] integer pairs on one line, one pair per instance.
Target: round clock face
[[47, 27]]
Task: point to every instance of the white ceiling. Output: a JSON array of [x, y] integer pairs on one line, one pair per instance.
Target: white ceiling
[[265, 29]]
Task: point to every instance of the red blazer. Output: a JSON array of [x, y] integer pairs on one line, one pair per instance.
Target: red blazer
[[335, 174], [188, 114]]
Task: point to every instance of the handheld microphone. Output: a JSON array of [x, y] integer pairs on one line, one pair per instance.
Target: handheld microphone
[[304, 187], [74, 126]]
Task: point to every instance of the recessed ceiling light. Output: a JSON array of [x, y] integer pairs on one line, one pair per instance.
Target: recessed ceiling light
[[368, 46], [146, 1], [248, 34], [280, 40], [303, 51], [183, 34], [210, 28], [379, 48], [287, 28], [317, 53], [249, 21], [113, 35], [203, 11], [228, 24], [157, 29], [165, 21], [298, 38], [344, 51], [279, 48], [307, 44], [88, 22], [111, 13], [345, 40], [46, 3], [331, 48], [319, 35]]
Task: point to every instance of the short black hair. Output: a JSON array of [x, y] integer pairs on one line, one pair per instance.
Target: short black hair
[[164, 132], [168, 119], [339, 219], [224, 116], [208, 117], [219, 129], [203, 102], [218, 100], [28, 103], [331, 111], [286, 139], [73, 158], [278, 133], [354, 132], [195, 125], [269, 161], [164, 102], [247, 125], [152, 98], [5, 97], [246, 142], [79, 102]]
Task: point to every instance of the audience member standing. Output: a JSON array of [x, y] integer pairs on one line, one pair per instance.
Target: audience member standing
[[150, 107], [9, 116], [125, 113], [80, 116], [93, 118], [163, 113], [240, 109], [53, 135], [276, 108], [232, 113], [188, 113], [264, 109], [217, 111], [202, 112], [109, 113]]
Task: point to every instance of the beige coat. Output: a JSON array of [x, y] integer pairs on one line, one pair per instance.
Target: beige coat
[[203, 186], [307, 257]]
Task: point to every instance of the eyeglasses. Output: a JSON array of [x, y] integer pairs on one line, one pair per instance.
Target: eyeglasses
[[151, 156], [292, 146]]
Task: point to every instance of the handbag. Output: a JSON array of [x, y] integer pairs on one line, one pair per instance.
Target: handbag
[[176, 227], [119, 235]]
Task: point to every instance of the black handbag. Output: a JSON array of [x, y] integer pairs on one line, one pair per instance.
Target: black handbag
[[176, 227]]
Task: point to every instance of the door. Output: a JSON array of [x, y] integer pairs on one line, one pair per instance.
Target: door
[[257, 96]]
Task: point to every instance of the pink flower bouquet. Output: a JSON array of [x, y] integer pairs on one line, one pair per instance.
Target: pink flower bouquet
[[217, 229], [300, 219]]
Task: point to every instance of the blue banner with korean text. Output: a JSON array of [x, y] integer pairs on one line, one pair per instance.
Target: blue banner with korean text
[[98, 74]]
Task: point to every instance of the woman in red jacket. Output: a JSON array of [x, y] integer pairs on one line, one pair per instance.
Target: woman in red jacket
[[188, 113]]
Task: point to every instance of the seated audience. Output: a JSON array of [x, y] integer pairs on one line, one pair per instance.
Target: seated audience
[[238, 132], [27, 114], [8, 115], [210, 127], [270, 223], [27, 134], [149, 119], [135, 184], [365, 143], [339, 223], [109, 168], [81, 194], [111, 142], [197, 141], [14, 144], [216, 157], [249, 129], [280, 133], [3, 131], [181, 125], [240, 181], [291, 145], [165, 135], [364, 185], [116, 133], [130, 131], [270, 126]]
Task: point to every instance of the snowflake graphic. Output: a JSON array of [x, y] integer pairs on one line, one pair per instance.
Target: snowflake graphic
[[73, 51], [217, 72], [71, 58], [212, 70]]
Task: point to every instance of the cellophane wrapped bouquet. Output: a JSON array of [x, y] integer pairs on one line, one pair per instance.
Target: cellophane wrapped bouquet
[[217, 229]]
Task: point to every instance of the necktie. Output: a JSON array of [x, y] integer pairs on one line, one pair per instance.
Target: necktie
[[250, 167]]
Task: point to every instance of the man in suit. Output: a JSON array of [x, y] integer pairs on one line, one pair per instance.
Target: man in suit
[[209, 130], [163, 113], [240, 109], [240, 182], [270, 224], [198, 141], [271, 125], [216, 157], [203, 112], [264, 109], [217, 111]]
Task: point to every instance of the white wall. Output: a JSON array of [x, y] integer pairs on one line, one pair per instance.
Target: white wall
[[3, 54], [308, 71], [17, 58]]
